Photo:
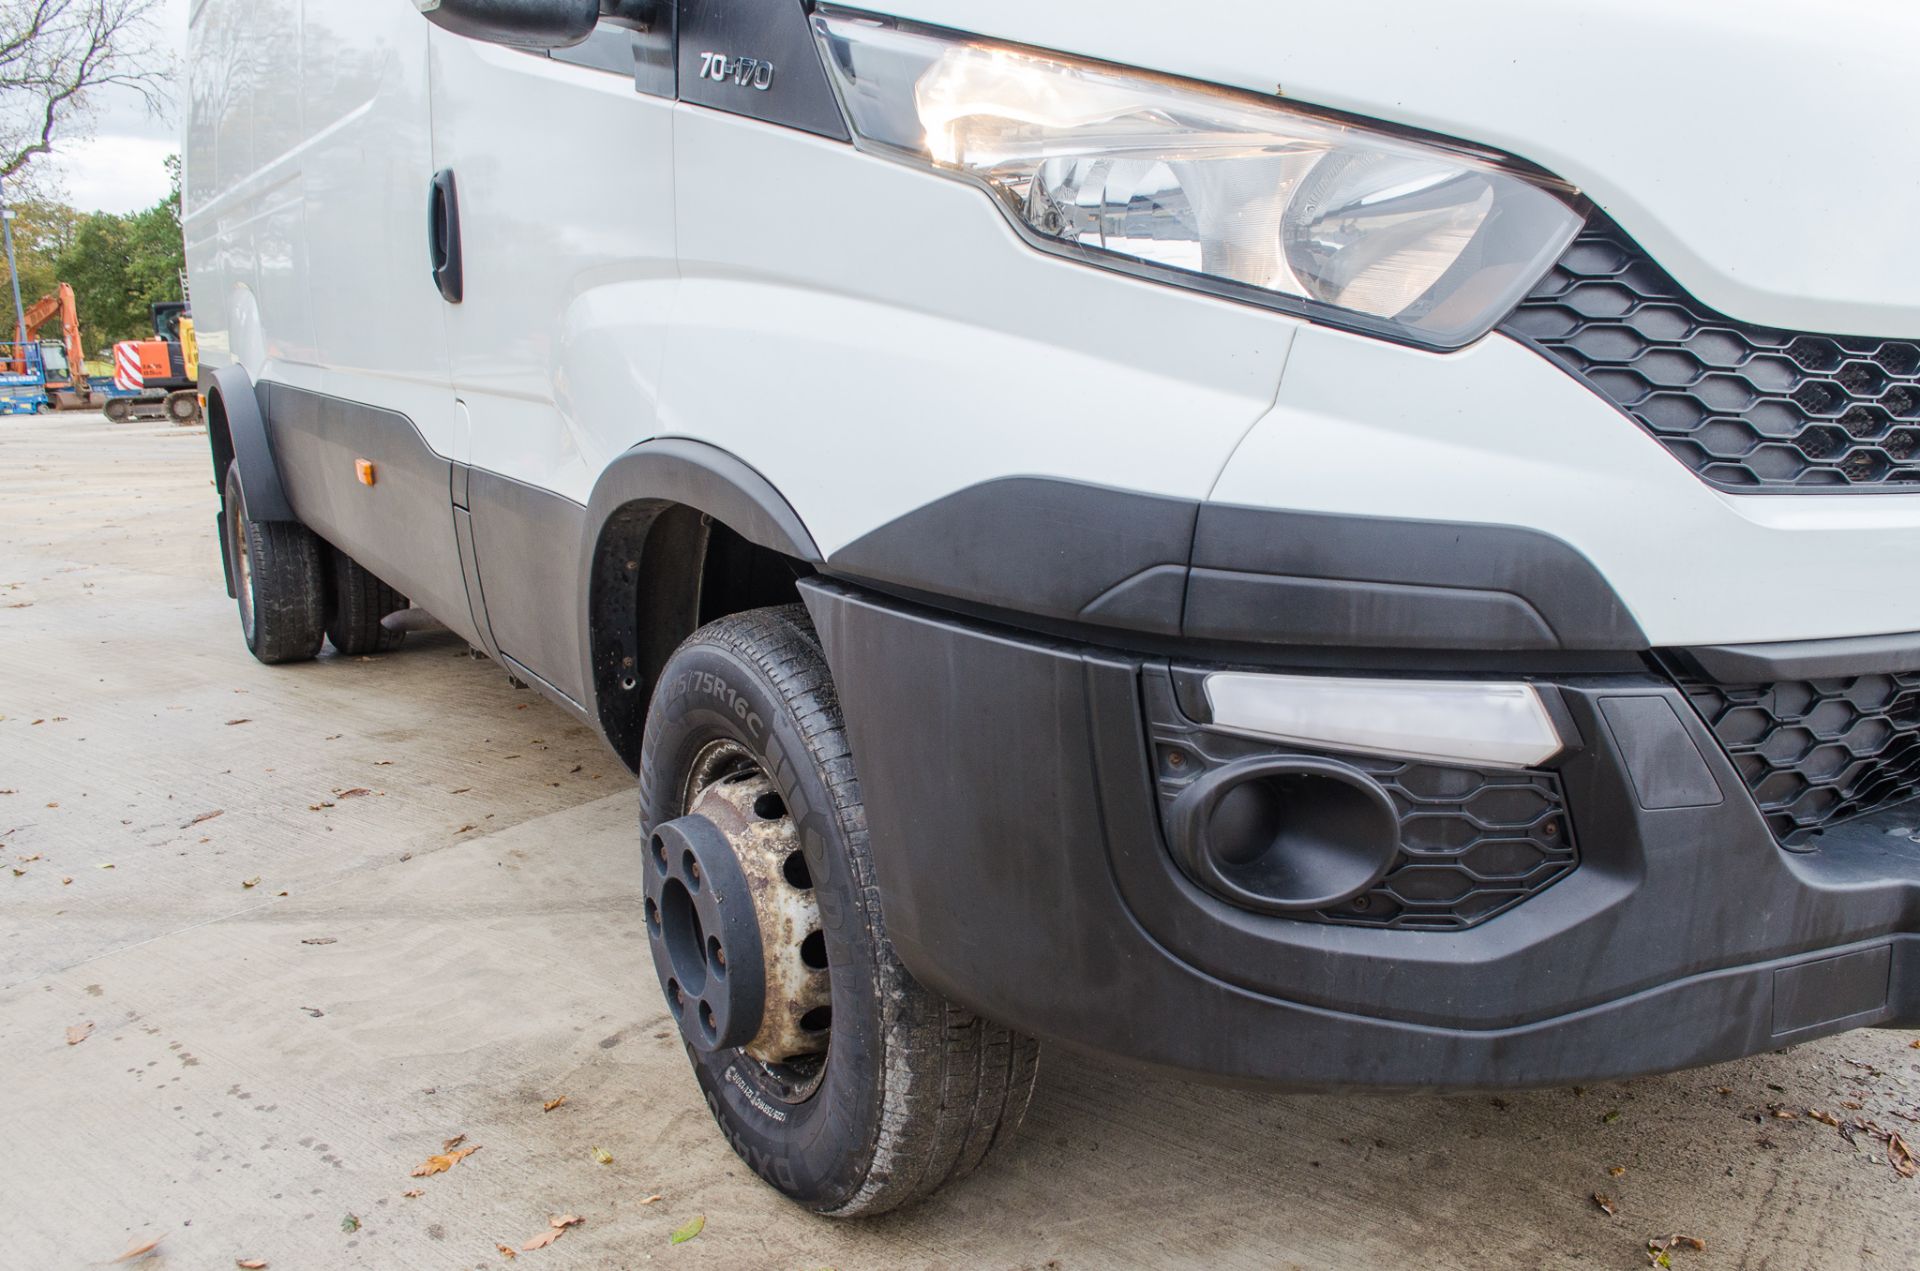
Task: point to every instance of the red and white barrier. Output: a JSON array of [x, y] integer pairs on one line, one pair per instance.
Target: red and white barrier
[[127, 375]]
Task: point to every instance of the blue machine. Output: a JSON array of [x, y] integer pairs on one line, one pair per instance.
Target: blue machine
[[26, 393]]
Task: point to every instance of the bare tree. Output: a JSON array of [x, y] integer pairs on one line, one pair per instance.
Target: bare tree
[[55, 54]]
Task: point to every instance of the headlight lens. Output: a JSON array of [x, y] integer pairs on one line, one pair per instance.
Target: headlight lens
[[1186, 183]]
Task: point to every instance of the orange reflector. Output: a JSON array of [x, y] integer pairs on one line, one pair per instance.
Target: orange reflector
[[363, 468]]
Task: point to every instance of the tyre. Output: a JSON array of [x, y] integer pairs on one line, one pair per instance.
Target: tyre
[[183, 408], [279, 580], [357, 602], [833, 1073]]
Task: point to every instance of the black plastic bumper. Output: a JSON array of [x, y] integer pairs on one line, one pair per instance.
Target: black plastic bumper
[[1018, 843]]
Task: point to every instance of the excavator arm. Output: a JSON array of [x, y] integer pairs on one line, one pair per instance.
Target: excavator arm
[[58, 301]]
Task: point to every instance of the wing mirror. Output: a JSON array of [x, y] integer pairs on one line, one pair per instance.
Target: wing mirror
[[527, 24]]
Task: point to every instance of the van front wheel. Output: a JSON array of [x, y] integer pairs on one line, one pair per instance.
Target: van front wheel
[[833, 1073]]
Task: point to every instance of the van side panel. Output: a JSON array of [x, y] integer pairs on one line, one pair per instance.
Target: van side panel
[[381, 333], [566, 180], [381, 393], [244, 192]]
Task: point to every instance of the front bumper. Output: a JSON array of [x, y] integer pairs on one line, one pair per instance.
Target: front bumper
[[1018, 844]]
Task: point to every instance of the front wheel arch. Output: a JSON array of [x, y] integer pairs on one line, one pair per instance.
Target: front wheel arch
[[679, 534]]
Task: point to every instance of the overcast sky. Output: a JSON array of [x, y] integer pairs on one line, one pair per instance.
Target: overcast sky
[[122, 168]]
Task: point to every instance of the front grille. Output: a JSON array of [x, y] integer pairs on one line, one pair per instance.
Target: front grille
[[1473, 843], [1751, 409], [1818, 752]]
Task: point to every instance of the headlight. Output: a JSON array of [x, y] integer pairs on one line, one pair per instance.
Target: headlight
[[1185, 183]]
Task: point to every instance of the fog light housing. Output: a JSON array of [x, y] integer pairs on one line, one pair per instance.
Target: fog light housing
[[1285, 833]]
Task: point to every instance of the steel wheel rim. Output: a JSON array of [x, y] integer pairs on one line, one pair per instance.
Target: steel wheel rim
[[720, 763]]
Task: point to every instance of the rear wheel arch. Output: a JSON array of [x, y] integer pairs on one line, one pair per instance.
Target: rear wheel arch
[[237, 432], [680, 533]]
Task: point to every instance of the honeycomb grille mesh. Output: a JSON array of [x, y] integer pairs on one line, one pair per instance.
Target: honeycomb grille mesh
[[1473, 843], [1818, 752], [1749, 408]]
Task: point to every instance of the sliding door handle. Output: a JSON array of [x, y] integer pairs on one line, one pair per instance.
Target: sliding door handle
[[443, 237]]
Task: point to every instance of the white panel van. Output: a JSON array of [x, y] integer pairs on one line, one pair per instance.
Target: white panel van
[[1306, 545]]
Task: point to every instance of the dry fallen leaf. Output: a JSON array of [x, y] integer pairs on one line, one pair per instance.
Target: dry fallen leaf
[[1899, 1155], [78, 1033], [66, 882], [1615, 1171], [441, 1164], [250, 1264], [1606, 1204], [556, 1227], [603, 1156], [1914, 1044], [551, 1104], [453, 1142], [1657, 1249], [321, 940], [358, 792], [687, 1232], [140, 1250], [413, 1193], [1824, 1118], [1782, 1113], [204, 816], [506, 1251], [654, 1199]]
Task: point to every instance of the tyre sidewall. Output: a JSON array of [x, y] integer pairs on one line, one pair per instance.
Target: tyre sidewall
[[239, 532], [817, 1151]]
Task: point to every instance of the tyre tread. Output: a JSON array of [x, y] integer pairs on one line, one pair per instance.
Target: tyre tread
[[360, 601]]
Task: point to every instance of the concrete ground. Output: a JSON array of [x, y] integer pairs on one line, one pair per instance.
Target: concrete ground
[[321, 919]]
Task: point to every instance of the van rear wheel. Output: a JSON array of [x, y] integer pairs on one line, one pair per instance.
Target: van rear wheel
[[834, 1074], [278, 579], [359, 601]]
